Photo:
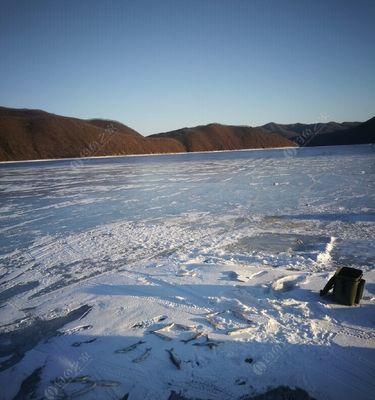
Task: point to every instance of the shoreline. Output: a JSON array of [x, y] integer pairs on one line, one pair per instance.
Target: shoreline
[[169, 154], [144, 155]]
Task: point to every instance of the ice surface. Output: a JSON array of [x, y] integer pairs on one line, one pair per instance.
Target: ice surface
[[226, 249], [279, 243]]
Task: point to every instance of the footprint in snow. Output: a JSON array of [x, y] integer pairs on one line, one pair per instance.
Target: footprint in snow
[[258, 274], [76, 329], [231, 276], [287, 283], [186, 272]]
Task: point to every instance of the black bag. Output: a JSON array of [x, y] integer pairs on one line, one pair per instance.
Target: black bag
[[347, 284]]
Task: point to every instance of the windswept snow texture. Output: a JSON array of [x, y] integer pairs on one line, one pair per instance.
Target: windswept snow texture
[[192, 273]]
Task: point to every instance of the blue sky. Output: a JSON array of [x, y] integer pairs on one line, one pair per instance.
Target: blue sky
[[161, 65]]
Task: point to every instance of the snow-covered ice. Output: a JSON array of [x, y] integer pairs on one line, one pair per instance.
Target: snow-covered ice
[[193, 273]]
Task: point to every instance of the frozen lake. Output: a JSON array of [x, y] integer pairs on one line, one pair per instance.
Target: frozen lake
[[203, 240]]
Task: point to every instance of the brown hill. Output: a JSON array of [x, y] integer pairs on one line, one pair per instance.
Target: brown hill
[[225, 137], [35, 134]]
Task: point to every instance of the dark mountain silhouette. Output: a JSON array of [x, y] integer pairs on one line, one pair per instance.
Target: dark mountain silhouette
[[363, 133], [35, 134], [295, 131], [225, 137]]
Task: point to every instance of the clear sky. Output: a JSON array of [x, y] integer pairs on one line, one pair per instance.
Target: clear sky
[[163, 64]]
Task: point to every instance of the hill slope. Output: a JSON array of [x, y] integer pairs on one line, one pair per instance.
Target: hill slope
[[35, 134], [225, 137], [363, 133], [297, 132]]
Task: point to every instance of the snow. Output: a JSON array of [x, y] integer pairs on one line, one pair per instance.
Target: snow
[[218, 256]]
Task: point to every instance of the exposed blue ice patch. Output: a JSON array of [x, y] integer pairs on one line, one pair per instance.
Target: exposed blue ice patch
[[348, 217]]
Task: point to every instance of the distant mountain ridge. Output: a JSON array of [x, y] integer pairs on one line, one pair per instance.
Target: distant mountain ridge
[[360, 134], [225, 137], [35, 134], [325, 134], [215, 136], [290, 131]]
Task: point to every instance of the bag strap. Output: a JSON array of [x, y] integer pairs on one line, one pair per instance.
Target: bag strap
[[330, 283]]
